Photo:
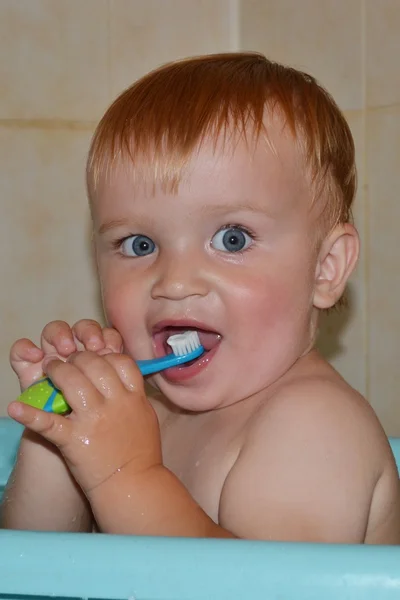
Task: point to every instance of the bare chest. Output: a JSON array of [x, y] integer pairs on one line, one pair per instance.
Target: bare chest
[[201, 452]]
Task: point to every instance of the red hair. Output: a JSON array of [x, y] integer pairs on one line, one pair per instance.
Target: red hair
[[164, 117]]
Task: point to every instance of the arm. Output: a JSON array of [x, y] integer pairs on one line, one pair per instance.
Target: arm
[[154, 502], [41, 494], [111, 445]]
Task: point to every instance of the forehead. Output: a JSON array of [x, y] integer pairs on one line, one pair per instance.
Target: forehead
[[268, 170], [269, 166]]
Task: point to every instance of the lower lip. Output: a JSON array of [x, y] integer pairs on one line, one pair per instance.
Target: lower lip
[[176, 374]]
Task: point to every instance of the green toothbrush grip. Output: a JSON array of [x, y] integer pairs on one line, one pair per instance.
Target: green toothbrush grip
[[44, 395]]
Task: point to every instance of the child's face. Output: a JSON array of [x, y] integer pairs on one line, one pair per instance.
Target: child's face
[[231, 253]]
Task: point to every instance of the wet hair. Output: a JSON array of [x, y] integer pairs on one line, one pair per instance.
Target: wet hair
[[160, 121]]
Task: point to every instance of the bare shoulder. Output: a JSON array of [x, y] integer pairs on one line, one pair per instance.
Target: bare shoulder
[[323, 408], [318, 455]]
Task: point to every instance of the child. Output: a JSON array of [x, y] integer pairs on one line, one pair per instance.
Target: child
[[221, 191]]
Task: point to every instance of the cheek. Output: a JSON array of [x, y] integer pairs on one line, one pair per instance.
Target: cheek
[[265, 310], [275, 298], [123, 310], [117, 289], [270, 326]]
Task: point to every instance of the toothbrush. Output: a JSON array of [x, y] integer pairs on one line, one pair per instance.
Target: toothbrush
[[185, 346]]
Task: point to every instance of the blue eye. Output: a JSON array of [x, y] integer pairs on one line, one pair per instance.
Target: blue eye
[[231, 239], [137, 245]]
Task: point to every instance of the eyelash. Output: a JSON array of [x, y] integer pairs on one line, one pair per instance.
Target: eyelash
[[246, 230], [249, 232], [116, 244]]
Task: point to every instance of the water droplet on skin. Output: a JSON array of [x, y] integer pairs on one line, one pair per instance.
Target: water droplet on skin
[[197, 463], [82, 397], [123, 371], [84, 440], [104, 386]]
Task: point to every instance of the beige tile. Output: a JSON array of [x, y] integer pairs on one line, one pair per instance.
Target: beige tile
[[382, 52], [322, 37], [144, 35], [44, 232], [53, 59], [342, 333], [383, 168]]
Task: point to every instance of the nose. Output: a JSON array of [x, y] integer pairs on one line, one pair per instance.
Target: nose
[[179, 276]]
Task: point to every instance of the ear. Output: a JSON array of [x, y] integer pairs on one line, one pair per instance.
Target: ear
[[337, 258]]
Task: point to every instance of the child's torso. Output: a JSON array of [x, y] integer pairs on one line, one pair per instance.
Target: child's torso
[[201, 449]]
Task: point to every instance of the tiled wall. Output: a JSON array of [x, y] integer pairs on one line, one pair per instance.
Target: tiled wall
[[63, 61]]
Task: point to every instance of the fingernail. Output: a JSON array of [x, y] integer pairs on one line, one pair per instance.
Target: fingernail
[[16, 409], [67, 342]]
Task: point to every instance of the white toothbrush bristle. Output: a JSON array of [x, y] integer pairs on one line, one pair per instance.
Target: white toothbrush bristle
[[184, 343]]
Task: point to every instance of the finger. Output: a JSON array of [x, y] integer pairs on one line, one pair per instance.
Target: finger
[[90, 334], [127, 371], [24, 352], [113, 339], [26, 362], [99, 372], [76, 387], [54, 428], [57, 338]]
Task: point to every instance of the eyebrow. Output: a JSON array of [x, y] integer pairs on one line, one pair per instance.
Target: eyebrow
[[207, 208], [112, 225], [232, 207]]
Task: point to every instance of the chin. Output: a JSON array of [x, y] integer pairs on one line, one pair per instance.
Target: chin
[[191, 400]]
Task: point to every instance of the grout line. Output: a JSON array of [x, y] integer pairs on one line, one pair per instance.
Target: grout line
[[109, 84], [366, 202], [234, 25], [381, 108], [48, 124]]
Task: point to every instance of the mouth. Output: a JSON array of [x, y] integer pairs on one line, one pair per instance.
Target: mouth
[[209, 339]]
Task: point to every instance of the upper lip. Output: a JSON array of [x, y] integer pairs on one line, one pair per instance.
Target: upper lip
[[181, 323]]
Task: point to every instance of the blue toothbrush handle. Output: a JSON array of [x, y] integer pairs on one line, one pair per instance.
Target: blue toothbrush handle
[[147, 367]]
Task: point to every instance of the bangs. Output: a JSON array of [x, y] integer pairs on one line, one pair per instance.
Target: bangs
[[162, 119], [158, 123]]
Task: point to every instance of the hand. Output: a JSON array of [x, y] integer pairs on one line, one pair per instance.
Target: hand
[[58, 339], [112, 424]]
